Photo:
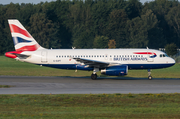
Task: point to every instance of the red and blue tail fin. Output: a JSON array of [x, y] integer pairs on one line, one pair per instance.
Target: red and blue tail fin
[[23, 41]]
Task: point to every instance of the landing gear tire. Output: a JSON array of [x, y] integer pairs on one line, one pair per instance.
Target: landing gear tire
[[93, 76], [149, 74], [149, 77]]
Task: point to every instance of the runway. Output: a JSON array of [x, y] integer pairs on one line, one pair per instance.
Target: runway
[[84, 85]]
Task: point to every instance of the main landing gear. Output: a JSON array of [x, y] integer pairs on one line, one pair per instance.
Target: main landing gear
[[149, 74], [94, 75]]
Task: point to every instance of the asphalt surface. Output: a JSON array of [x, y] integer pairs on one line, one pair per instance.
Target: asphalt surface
[[84, 85]]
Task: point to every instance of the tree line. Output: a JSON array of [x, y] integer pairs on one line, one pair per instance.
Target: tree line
[[95, 23]]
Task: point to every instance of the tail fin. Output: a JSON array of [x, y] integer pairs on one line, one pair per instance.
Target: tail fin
[[23, 41]]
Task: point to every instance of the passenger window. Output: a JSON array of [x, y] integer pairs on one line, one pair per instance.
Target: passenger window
[[164, 55], [160, 55], [94, 55]]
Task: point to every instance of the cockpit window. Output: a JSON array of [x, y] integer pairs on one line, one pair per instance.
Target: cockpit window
[[166, 55], [163, 55]]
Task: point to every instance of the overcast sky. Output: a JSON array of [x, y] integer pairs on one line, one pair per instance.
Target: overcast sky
[[37, 1]]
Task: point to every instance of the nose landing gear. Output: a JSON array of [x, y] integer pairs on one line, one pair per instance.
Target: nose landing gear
[[149, 74]]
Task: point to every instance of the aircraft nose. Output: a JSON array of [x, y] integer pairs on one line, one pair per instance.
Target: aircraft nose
[[172, 61]]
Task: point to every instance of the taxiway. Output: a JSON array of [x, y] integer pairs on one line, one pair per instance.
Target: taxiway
[[84, 85]]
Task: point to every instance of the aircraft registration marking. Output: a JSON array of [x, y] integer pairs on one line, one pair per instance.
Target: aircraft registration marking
[[56, 60]]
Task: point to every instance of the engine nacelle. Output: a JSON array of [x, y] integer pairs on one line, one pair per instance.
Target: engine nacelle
[[115, 70]]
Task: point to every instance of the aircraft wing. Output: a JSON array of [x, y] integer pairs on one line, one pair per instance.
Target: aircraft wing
[[94, 63]]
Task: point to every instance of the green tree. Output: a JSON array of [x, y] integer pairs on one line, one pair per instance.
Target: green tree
[[63, 24], [100, 11], [116, 28], [155, 34], [25, 12], [133, 8], [6, 42], [12, 11], [137, 33], [82, 37], [100, 42], [171, 49], [161, 8], [59, 13], [43, 31], [173, 19]]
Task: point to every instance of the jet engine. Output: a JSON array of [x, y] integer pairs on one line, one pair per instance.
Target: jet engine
[[115, 70]]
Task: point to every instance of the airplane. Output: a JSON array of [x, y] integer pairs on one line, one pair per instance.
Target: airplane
[[112, 62]]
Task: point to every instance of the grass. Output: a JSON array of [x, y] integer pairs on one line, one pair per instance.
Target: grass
[[12, 67], [5, 86], [90, 106]]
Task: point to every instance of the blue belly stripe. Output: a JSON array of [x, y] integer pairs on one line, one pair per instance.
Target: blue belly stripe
[[130, 66]]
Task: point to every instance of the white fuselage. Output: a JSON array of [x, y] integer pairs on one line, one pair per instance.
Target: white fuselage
[[134, 58]]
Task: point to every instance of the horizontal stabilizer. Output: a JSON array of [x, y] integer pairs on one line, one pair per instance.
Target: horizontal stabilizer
[[15, 54], [22, 56]]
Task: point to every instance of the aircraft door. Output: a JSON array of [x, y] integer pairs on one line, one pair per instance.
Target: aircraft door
[[44, 56], [150, 56]]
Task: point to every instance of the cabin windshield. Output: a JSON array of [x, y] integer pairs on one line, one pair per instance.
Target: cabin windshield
[[164, 55]]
